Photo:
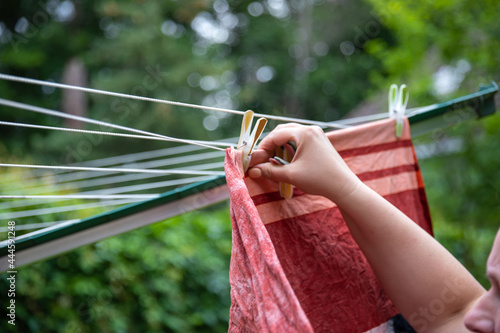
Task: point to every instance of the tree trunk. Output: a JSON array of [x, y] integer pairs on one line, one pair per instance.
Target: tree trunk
[[74, 102]]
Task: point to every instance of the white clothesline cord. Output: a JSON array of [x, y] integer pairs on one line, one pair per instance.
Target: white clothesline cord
[[86, 183], [33, 225], [116, 160], [156, 100], [164, 185], [363, 119], [70, 208], [166, 172], [123, 189], [37, 109], [72, 176], [83, 184], [82, 196], [55, 225], [143, 155], [147, 165], [110, 93], [134, 136], [49, 225], [149, 186], [83, 177], [171, 151], [379, 116]]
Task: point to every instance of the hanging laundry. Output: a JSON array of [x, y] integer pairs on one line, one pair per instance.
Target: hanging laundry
[[294, 265]]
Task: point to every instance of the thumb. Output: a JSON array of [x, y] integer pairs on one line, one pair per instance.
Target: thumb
[[279, 173]]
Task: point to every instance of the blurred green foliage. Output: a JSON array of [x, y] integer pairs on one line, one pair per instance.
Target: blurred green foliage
[[457, 38], [316, 59], [171, 276], [464, 193], [271, 57]]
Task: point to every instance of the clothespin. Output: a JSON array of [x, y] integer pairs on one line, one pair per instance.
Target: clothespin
[[398, 99], [248, 139], [284, 157]]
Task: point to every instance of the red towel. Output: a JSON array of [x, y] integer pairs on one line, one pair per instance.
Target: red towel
[[294, 265]]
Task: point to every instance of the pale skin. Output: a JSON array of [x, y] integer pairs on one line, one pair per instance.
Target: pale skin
[[430, 288]]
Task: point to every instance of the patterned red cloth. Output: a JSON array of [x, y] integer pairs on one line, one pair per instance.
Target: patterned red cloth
[[294, 265]]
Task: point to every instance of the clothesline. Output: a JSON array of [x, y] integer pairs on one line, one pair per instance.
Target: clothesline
[[148, 135], [37, 109], [336, 124], [79, 178], [37, 225], [116, 160], [72, 181], [69, 179], [76, 176], [162, 101], [80, 196], [87, 183], [65, 129], [166, 172], [102, 192], [51, 210]]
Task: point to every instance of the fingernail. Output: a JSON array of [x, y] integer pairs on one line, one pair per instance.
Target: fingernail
[[278, 161], [290, 149], [274, 161]]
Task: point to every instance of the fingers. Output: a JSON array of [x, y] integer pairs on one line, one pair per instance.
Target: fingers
[[311, 142], [260, 156], [279, 136], [279, 173], [316, 167]]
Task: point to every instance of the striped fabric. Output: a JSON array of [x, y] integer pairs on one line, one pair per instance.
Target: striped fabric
[[294, 265]]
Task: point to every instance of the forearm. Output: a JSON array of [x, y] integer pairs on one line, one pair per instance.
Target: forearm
[[416, 272]]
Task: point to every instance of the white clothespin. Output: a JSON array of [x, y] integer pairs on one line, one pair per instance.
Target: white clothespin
[[247, 140], [398, 99]]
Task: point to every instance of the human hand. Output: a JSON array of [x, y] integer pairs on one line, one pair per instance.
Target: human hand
[[316, 167]]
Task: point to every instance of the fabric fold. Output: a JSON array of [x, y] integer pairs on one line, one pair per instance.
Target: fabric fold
[[262, 299]]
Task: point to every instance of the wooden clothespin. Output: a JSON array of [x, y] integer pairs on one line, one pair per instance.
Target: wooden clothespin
[[284, 157], [248, 139], [398, 99]]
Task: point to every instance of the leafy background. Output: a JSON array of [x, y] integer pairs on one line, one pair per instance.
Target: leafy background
[[316, 59]]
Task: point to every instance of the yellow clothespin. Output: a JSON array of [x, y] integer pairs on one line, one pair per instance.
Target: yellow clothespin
[[283, 156], [398, 99], [247, 140]]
